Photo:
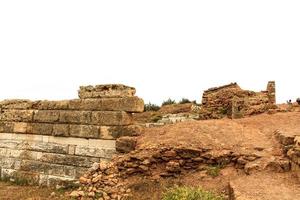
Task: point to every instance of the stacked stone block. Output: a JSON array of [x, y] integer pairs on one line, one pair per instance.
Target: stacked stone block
[[290, 142], [50, 142]]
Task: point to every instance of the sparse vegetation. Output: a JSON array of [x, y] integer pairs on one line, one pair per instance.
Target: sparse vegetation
[[189, 193], [214, 170], [168, 102], [151, 107], [224, 111], [16, 181], [156, 118], [184, 100]]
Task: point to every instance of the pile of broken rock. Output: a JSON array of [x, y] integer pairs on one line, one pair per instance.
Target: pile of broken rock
[[101, 182]]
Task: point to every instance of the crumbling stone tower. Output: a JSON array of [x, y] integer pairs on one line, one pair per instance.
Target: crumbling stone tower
[[271, 92]]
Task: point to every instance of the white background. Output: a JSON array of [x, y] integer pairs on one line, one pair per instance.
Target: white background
[[163, 48]]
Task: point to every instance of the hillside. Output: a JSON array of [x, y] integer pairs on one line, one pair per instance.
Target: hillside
[[239, 158]]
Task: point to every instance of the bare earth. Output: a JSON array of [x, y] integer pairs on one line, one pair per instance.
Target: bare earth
[[15, 192]]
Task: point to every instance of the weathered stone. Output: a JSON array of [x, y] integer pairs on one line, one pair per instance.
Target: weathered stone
[[279, 165], [16, 104], [6, 127], [39, 128], [173, 166], [51, 105], [77, 194], [271, 92], [16, 115], [251, 167], [46, 116], [128, 104], [99, 152], [61, 129], [126, 144], [75, 117], [285, 138], [71, 160], [20, 127], [85, 131], [111, 118], [106, 91], [113, 132]]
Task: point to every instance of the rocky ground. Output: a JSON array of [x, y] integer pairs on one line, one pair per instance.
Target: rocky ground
[[242, 159]]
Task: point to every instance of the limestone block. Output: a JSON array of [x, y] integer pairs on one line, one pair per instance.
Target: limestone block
[[113, 132], [20, 127], [59, 181], [85, 131], [46, 116], [111, 118], [106, 91], [75, 117], [95, 152], [10, 163], [71, 160], [6, 127], [51, 105], [16, 104], [45, 147], [68, 140], [39, 128], [109, 144], [19, 154], [34, 146], [61, 130], [27, 137], [128, 104], [10, 144], [16, 115]]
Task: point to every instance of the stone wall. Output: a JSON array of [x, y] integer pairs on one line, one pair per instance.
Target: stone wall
[[235, 102], [290, 142], [53, 142]]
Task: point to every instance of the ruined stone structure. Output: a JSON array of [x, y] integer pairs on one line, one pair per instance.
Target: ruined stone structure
[[290, 142], [51, 142], [235, 102]]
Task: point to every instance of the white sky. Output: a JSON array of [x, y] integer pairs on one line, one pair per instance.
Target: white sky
[[163, 48]]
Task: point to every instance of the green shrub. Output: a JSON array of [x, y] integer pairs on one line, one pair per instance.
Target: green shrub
[[168, 102], [151, 107], [214, 170], [184, 100], [156, 118], [189, 193]]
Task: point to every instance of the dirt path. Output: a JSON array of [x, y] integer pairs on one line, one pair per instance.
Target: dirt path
[[16, 192]]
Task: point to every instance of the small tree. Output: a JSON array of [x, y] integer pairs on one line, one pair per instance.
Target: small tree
[[168, 102], [184, 100], [151, 107]]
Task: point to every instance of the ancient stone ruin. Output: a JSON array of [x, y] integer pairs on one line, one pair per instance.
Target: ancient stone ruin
[[53, 142], [235, 102]]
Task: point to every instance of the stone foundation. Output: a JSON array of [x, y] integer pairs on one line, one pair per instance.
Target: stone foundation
[[54, 142]]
